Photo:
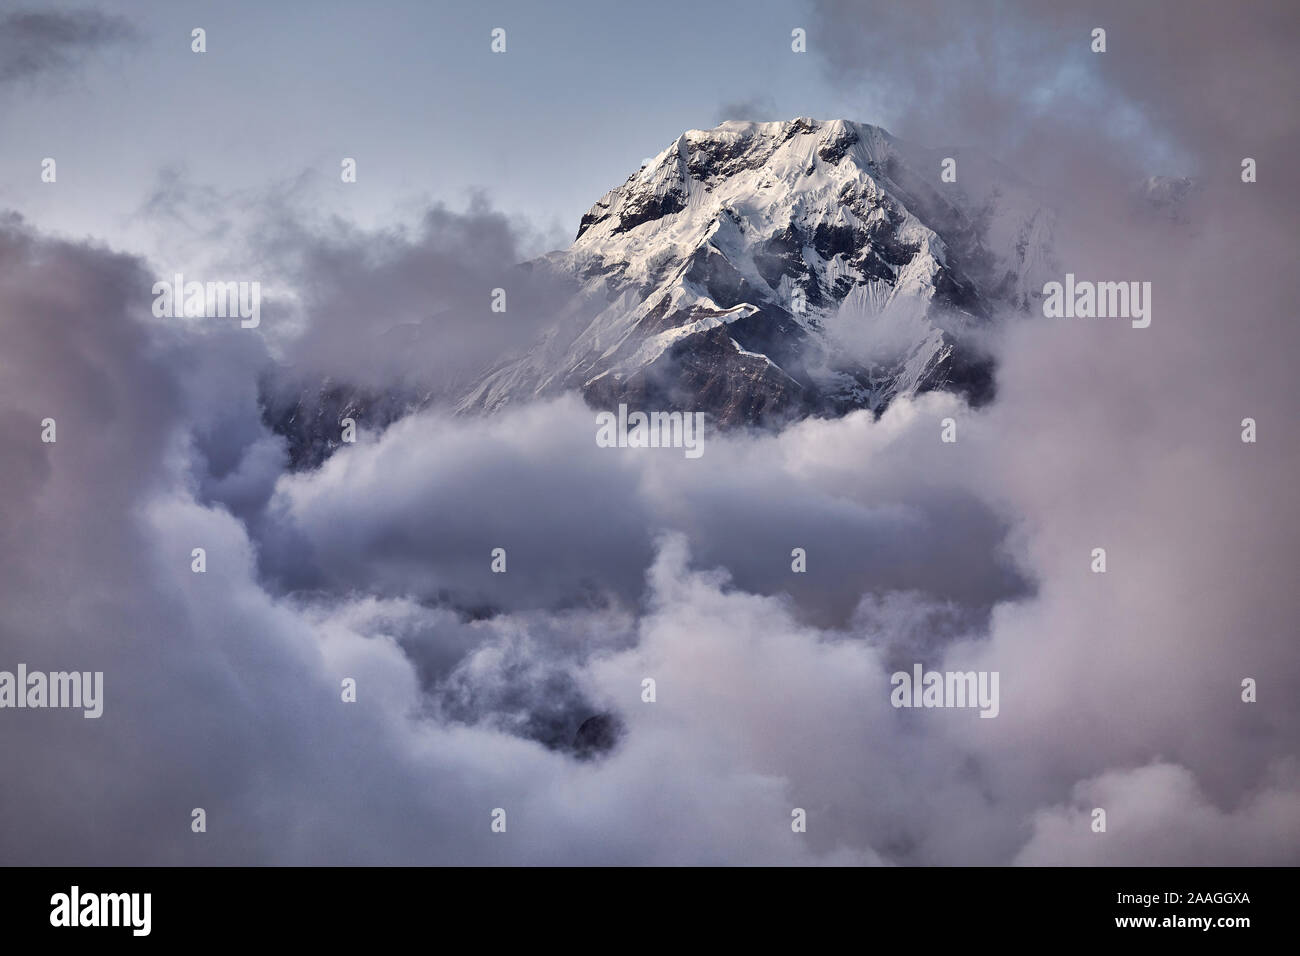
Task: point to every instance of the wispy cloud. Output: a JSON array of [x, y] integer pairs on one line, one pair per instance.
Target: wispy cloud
[[39, 44]]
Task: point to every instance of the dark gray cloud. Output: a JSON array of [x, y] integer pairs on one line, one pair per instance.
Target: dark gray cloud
[[419, 511], [37, 43], [218, 695], [398, 307], [754, 109], [224, 696]]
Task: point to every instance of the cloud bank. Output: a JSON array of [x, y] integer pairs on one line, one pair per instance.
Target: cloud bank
[[1119, 690]]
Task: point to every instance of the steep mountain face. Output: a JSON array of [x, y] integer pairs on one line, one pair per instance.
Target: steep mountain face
[[310, 418], [764, 271]]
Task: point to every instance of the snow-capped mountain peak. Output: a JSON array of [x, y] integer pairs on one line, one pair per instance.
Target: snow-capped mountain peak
[[769, 270]]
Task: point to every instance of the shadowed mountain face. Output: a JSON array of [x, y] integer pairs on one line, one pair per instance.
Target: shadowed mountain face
[[760, 273], [765, 271]]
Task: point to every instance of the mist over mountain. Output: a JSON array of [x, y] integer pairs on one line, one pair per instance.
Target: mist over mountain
[[760, 273], [765, 271], [355, 652]]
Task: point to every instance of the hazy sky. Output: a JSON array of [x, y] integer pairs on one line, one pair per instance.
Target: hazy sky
[[585, 91], [411, 90]]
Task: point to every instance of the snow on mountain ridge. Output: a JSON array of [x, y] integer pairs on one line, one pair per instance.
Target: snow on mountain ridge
[[828, 254]]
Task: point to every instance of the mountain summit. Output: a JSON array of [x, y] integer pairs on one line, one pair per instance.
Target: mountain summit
[[757, 272], [766, 271]]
